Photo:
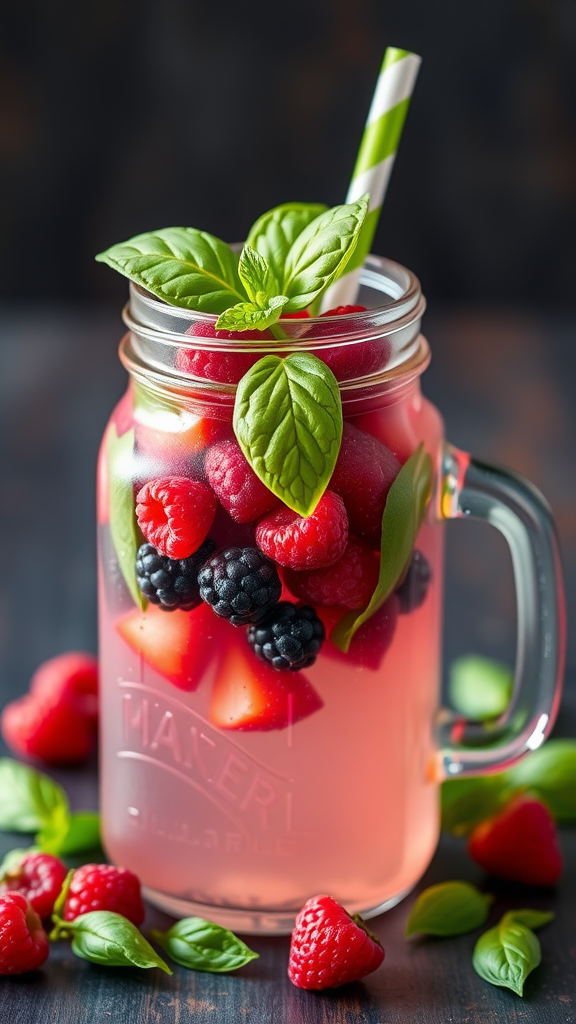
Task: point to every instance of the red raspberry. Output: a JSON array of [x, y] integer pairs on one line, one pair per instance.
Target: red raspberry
[[39, 878], [350, 361], [520, 843], [71, 677], [364, 473], [305, 542], [349, 583], [104, 887], [23, 941], [329, 947], [175, 514], [221, 367], [239, 490]]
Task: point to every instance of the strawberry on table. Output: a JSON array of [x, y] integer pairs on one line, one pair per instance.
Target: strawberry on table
[[330, 948], [520, 843]]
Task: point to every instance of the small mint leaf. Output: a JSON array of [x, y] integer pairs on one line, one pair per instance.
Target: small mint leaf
[[403, 516], [479, 688], [288, 422], [28, 798], [182, 266], [122, 508], [550, 772], [257, 277], [204, 946], [451, 908], [320, 253], [467, 802], [529, 918], [505, 955], [275, 232], [247, 316], [106, 938]]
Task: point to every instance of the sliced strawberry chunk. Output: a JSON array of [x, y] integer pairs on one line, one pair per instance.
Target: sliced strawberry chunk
[[370, 643], [248, 695], [179, 645]]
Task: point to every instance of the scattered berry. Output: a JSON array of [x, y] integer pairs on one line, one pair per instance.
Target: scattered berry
[[520, 843], [171, 583], [180, 646], [220, 367], [39, 878], [175, 514], [310, 542], [71, 677], [249, 696], [364, 473], [288, 636], [329, 947], [349, 583], [104, 887], [237, 487], [412, 591], [240, 584], [23, 941]]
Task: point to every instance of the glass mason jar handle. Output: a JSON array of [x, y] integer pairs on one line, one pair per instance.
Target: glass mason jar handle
[[470, 488]]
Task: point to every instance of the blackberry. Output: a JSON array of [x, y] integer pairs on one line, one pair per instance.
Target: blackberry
[[240, 584], [414, 587], [289, 636], [171, 582]]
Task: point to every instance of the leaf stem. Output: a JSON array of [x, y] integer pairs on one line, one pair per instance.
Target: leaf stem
[[277, 332]]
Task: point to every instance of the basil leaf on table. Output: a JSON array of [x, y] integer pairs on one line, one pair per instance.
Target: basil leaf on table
[[479, 688], [275, 232], [245, 316], [122, 509], [467, 802], [203, 946], [450, 908], [288, 422], [550, 772], [28, 798], [530, 918], [403, 516], [320, 253], [106, 938], [78, 833], [506, 955]]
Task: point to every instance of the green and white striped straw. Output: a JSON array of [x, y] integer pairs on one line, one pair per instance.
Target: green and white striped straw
[[376, 159]]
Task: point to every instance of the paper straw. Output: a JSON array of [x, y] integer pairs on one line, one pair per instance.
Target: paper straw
[[376, 159]]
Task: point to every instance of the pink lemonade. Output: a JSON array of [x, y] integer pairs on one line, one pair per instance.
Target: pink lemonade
[[231, 787]]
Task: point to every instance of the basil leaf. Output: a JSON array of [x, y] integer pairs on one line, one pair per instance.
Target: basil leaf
[[245, 316], [467, 802], [257, 277], [451, 908], [28, 799], [320, 253], [104, 937], [403, 516], [81, 834], [505, 955], [52, 834], [288, 421], [123, 523], [551, 772], [275, 232], [203, 946], [13, 860], [479, 688], [530, 918], [182, 266]]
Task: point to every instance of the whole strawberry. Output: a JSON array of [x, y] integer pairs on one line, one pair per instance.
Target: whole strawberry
[[39, 878], [104, 887], [23, 941], [329, 947], [519, 843]]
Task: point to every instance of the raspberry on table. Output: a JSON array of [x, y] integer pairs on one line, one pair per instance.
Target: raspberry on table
[[349, 583], [104, 887], [23, 941], [235, 483], [71, 677], [47, 728], [414, 587], [330, 948], [175, 514], [305, 542], [364, 473], [39, 878], [171, 582], [240, 584], [288, 636]]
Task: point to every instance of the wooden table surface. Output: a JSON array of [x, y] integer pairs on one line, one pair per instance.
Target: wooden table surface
[[505, 381]]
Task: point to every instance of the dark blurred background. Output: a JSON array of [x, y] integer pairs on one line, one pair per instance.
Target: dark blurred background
[[117, 117]]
